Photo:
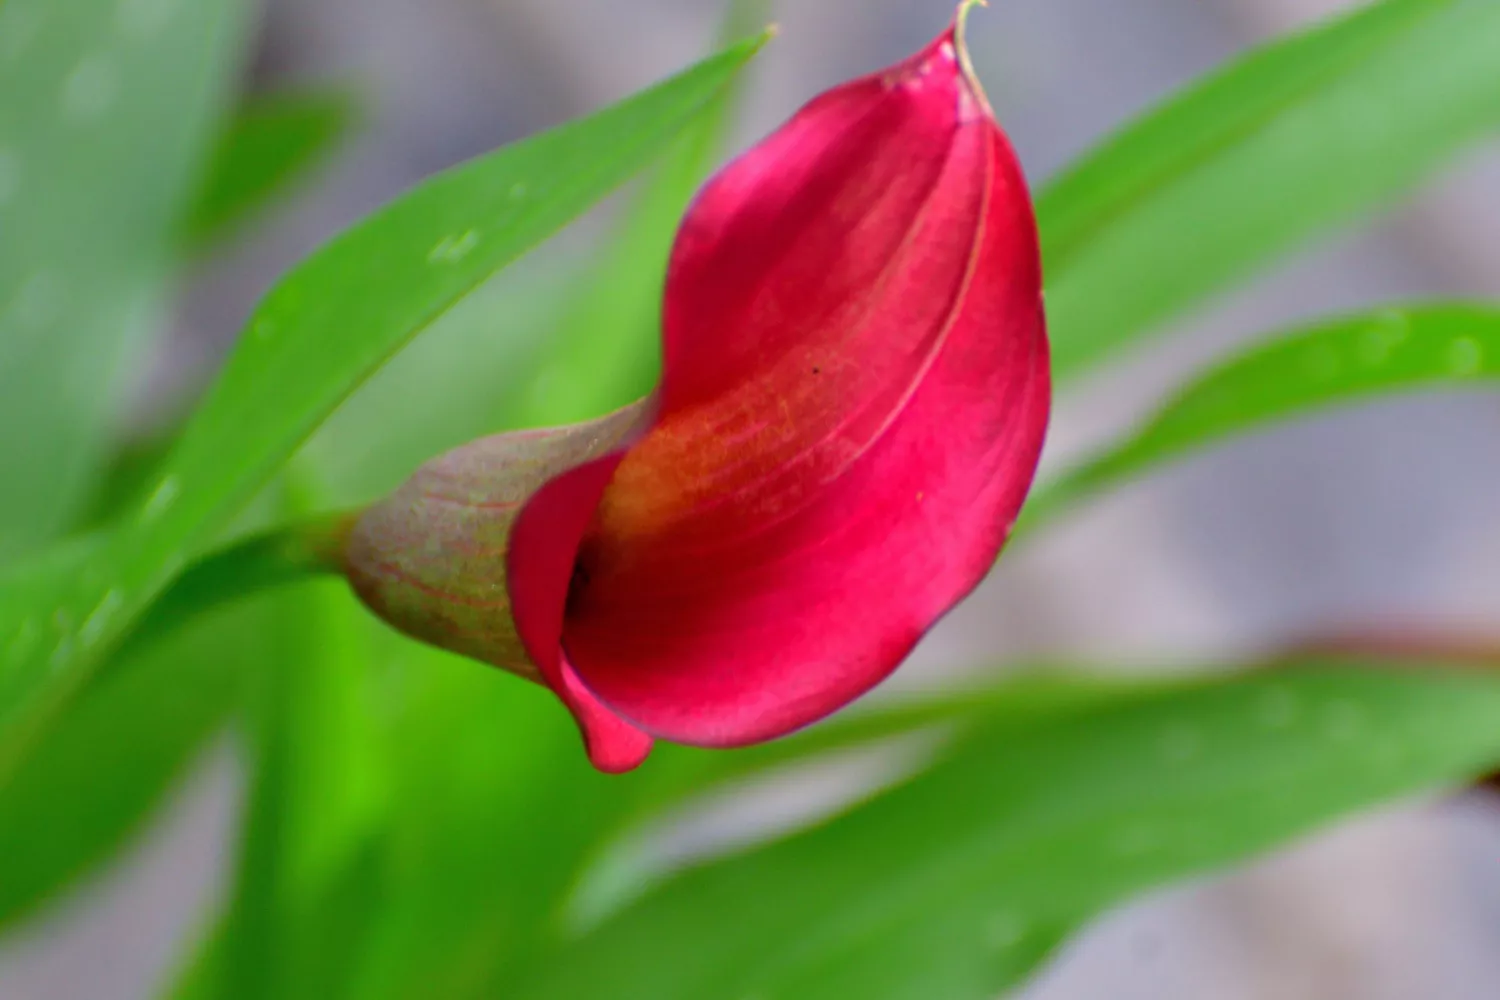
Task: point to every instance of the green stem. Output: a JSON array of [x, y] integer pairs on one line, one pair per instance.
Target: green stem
[[285, 555]]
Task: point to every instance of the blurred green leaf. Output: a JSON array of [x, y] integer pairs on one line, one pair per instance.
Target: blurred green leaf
[[106, 110], [317, 790], [320, 332], [956, 883], [1304, 134], [1342, 361], [93, 780], [262, 561], [493, 810], [271, 140], [1019, 696], [461, 370]]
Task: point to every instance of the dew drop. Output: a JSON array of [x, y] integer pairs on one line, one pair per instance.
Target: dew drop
[[453, 249], [1465, 356], [98, 620], [62, 621], [262, 330], [1388, 331], [517, 191], [91, 88], [61, 653], [161, 498]]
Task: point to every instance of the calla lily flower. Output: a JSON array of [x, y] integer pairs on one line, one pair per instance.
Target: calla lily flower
[[854, 396]]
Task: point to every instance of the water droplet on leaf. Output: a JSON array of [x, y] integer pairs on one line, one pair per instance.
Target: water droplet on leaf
[[98, 620], [453, 249], [161, 498]]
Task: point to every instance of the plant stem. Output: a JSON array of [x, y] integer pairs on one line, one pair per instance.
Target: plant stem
[[285, 555]]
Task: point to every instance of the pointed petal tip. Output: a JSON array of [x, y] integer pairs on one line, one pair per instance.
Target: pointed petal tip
[[618, 756], [613, 745], [948, 53]]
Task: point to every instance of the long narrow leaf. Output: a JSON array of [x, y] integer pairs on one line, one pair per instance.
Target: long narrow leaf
[[270, 140], [1348, 360], [958, 882], [1308, 133], [106, 111]]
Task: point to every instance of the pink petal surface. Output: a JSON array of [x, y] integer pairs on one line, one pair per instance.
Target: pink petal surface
[[854, 399], [543, 546]]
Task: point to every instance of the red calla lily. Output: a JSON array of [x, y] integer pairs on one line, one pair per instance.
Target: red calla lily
[[854, 396]]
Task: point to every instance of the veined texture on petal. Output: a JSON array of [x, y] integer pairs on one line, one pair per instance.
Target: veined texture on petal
[[854, 398], [431, 558]]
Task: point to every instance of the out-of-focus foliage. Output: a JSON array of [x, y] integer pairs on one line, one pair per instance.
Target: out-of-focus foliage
[[957, 882], [269, 142], [106, 111], [91, 780]]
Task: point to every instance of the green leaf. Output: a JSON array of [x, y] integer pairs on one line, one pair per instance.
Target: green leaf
[[270, 142], [958, 882], [317, 794], [105, 112], [493, 809], [1307, 133], [1021, 696], [1342, 361], [320, 332], [91, 783]]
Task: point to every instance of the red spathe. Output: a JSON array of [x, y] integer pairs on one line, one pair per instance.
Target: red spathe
[[854, 399]]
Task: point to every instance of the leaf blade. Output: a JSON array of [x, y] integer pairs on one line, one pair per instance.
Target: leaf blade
[[1343, 361], [269, 142], [1311, 132], [958, 882], [104, 116]]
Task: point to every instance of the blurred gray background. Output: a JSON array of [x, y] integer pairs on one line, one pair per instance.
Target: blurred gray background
[[1364, 515]]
